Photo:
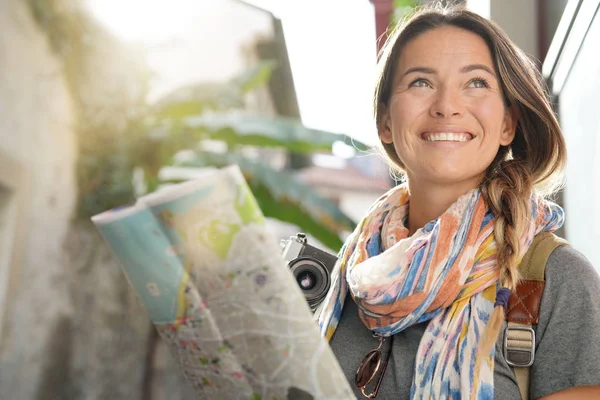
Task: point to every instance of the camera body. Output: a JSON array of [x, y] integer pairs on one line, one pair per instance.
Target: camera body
[[310, 266]]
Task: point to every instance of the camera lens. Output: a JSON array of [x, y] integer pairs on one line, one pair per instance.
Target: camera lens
[[307, 280], [312, 278]]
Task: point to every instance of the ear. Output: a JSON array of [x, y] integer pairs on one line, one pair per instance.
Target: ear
[[384, 127], [509, 125]]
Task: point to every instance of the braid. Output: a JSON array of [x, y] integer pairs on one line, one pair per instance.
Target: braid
[[508, 196], [507, 191]]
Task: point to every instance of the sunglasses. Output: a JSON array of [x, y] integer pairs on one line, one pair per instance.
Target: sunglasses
[[370, 366]]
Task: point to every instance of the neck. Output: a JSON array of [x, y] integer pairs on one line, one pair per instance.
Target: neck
[[429, 201]]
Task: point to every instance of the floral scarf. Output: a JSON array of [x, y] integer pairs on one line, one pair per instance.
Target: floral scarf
[[445, 273]]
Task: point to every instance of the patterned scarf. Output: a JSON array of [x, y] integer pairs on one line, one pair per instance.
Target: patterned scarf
[[445, 273]]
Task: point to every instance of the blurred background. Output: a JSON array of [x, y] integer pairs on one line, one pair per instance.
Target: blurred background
[[102, 101]]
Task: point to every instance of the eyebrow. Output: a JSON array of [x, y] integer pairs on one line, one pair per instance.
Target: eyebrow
[[473, 67], [464, 70]]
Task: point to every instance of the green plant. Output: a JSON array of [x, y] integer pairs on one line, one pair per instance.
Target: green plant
[[401, 9], [187, 118], [119, 133]]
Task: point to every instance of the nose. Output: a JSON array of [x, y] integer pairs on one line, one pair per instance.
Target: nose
[[446, 104]]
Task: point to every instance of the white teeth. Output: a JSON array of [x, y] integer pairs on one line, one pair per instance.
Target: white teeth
[[447, 137]]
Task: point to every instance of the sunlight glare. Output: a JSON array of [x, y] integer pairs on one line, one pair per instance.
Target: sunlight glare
[[147, 21]]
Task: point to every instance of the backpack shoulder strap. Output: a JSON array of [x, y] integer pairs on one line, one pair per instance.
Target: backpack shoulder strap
[[534, 262], [524, 306]]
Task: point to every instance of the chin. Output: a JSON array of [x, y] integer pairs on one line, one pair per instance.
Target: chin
[[450, 177]]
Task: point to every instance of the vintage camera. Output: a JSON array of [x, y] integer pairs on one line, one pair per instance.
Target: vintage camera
[[310, 266]]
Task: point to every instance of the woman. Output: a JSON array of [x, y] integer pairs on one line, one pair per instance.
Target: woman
[[461, 112]]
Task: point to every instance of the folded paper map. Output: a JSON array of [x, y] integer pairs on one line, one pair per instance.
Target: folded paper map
[[210, 275]]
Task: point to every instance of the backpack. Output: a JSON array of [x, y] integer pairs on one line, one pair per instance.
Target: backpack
[[523, 308]]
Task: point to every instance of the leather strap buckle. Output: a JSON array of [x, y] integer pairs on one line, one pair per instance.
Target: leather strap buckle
[[519, 346]]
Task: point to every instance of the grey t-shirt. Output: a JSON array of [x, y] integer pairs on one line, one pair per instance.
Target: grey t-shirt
[[567, 338]]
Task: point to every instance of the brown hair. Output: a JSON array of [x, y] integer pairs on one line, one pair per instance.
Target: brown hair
[[535, 159]]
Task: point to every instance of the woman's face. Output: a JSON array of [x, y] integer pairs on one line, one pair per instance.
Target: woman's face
[[446, 116]]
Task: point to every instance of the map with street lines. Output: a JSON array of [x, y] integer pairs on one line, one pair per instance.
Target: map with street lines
[[214, 283]]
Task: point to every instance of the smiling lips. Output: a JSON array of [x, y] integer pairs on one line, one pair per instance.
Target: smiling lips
[[446, 136]]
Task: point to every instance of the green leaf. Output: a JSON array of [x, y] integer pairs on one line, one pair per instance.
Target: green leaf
[[255, 77], [402, 8], [197, 98], [244, 129], [184, 109], [282, 196], [405, 3]]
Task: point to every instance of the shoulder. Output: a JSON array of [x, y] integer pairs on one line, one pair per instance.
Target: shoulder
[[568, 269], [567, 339], [571, 296]]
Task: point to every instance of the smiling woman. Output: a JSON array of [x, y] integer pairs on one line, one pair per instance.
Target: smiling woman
[[462, 114], [446, 117]]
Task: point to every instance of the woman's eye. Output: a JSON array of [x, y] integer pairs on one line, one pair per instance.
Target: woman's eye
[[420, 83], [478, 83]]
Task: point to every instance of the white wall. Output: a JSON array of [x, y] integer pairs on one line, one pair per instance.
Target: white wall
[[579, 115], [37, 158]]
